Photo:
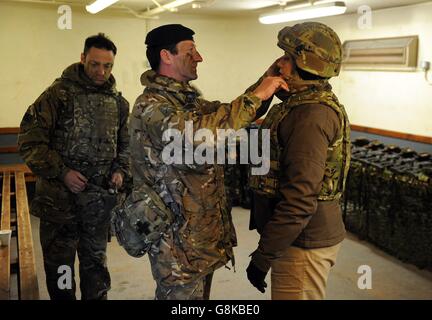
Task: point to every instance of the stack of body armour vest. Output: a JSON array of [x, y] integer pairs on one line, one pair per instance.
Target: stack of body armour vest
[[388, 200]]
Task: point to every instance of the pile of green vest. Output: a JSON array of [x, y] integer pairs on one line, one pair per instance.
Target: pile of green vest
[[388, 200], [236, 183], [236, 178]]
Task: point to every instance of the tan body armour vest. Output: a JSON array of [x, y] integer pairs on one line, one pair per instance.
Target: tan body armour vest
[[338, 152], [87, 129]]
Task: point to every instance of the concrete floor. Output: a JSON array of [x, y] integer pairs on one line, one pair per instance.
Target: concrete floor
[[391, 279]]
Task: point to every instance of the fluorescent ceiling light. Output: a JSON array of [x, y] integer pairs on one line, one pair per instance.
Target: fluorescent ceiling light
[[171, 6], [176, 3], [99, 5], [314, 11]]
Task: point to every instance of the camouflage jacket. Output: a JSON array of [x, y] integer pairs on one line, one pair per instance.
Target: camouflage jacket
[[203, 235], [73, 125]]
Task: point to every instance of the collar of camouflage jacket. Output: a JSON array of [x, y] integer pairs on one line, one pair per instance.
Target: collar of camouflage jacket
[[299, 86], [182, 90], [75, 73]]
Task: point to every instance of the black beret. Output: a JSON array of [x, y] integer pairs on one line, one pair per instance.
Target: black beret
[[167, 35]]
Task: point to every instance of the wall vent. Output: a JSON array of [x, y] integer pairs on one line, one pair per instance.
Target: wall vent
[[392, 54]]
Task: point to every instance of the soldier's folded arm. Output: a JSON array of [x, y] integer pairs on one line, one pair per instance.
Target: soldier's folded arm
[[36, 130]]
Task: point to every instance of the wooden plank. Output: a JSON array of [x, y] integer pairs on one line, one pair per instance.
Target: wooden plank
[[9, 149], [5, 284], [15, 167], [385, 133], [9, 130], [28, 284], [30, 177], [393, 134], [5, 216]]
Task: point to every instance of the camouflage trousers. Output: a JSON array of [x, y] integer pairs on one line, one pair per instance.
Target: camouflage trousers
[[196, 290], [86, 235]]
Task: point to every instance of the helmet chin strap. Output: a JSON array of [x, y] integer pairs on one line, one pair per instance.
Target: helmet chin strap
[[298, 82], [296, 85]]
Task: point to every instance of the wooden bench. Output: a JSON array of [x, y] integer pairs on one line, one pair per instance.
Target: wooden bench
[[14, 186]]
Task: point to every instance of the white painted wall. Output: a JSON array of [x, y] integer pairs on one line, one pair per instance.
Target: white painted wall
[[399, 101], [235, 51], [34, 52]]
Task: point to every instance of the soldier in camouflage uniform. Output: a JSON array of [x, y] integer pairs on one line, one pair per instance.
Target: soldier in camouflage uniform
[[296, 205], [74, 138], [201, 237]]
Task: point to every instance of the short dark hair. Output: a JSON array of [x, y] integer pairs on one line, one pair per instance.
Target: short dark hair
[[153, 54], [99, 41]]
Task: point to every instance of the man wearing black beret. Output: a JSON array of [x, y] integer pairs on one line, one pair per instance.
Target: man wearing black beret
[[200, 233]]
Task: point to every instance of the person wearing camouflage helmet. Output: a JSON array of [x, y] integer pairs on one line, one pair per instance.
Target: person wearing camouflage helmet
[[75, 139], [201, 236], [296, 205]]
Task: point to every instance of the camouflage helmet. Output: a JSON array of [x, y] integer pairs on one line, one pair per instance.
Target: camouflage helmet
[[315, 47]]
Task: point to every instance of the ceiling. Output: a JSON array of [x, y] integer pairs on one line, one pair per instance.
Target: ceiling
[[229, 7]]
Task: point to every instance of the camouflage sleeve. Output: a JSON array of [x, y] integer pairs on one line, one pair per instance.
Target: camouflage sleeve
[[36, 129], [235, 115], [209, 106], [158, 116], [121, 163], [265, 105]]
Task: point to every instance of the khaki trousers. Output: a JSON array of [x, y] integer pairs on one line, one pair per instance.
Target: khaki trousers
[[301, 274]]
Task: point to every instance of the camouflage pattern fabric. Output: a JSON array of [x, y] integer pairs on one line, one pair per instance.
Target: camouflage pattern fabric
[[196, 290], [233, 186], [237, 178], [75, 125], [202, 235], [315, 47], [68, 127], [140, 221], [387, 200], [88, 236], [233, 173], [338, 153]]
